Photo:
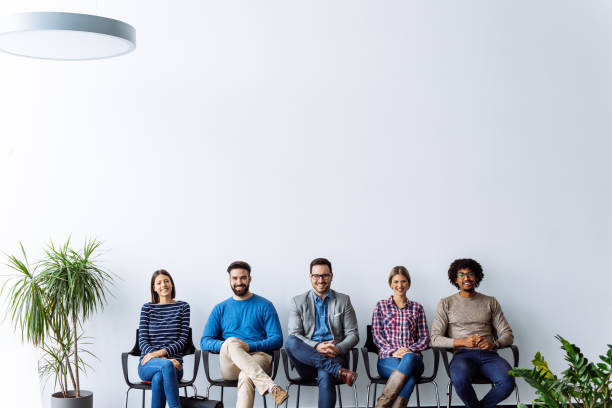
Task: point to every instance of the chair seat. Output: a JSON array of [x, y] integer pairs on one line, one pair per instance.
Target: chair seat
[[480, 380], [141, 386], [185, 383], [220, 382], [378, 380], [310, 382], [144, 384]]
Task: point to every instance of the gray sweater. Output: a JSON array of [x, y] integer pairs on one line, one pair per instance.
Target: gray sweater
[[458, 317]]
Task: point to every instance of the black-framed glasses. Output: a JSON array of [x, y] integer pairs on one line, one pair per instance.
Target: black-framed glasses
[[462, 275], [323, 276]]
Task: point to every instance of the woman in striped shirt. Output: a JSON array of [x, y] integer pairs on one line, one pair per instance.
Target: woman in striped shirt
[[399, 329], [162, 337]]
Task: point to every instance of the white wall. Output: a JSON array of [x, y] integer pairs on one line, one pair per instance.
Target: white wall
[[371, 133]]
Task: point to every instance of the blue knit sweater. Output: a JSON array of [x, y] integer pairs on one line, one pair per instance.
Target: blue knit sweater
[[253, 321]]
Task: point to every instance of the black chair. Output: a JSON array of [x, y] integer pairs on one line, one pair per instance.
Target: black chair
[[478, 380], [312, 382], [371, 347], [220, 382], [189, 349]]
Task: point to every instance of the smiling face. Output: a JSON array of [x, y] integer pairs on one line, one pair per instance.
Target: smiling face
[[466, 280], [400, 285], [321, 278], [163, 286], [240, 281]]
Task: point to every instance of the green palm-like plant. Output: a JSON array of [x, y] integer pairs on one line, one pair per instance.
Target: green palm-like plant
[[583, 383], [50, 300]]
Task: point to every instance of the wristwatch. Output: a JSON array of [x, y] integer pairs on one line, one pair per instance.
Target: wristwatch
[[496, 344]]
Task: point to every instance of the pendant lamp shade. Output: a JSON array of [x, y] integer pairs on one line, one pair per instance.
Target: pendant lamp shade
[[65, 36]]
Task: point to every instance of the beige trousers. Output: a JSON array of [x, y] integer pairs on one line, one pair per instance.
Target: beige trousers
[[248, 368]]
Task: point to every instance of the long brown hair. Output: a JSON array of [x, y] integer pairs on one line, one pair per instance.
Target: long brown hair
[[154, 295]]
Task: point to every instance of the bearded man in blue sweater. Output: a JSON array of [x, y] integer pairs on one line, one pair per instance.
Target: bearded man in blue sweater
[[244, 330]]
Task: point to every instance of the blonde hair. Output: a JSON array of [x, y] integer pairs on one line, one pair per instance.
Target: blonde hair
[[399, 270]]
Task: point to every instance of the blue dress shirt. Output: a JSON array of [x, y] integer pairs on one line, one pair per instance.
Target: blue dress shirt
[[322, 331]]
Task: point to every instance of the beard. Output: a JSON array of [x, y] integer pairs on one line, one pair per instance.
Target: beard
[[472, 289], [240, 290]]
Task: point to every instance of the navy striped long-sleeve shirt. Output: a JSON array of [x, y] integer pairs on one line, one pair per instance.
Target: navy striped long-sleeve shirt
[[164, 327]]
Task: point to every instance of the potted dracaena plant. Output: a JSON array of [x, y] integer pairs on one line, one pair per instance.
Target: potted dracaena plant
[[583, 384], [48, 302]]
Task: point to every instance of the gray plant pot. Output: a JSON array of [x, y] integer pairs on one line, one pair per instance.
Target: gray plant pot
[[84, 401]]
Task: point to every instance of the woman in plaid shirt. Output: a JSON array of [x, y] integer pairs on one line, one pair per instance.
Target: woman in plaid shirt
[[399, 329]]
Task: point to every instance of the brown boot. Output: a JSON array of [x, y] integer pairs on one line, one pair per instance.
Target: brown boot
[[347, 376], [279, 395], [394, 384], [400, 402]]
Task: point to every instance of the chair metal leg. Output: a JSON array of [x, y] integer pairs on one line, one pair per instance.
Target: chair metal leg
[[264, 398], [367, 398], [437, 394], [143, 398], [355, 394], [127, 395], [297, 403], [339, 395], [287, 400], [374, 400], [517, 394], [222, 394], [449, 392], [418, 396]]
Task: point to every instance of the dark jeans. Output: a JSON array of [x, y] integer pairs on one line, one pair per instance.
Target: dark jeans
[[309, 364], [467, 364], [411, 364], [164, 379]]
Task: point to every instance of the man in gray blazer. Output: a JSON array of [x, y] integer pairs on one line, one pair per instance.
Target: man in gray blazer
[[322, 330]]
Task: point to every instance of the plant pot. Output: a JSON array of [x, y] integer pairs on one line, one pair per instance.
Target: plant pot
[[84, 401]]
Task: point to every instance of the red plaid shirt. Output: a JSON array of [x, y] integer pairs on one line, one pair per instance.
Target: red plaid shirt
[[393, 328]]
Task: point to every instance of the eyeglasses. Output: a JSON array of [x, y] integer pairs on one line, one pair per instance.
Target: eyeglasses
[[462, 275], [324, 276]]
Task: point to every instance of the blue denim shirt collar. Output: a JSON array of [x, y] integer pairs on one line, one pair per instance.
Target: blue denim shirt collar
[[318, 300]]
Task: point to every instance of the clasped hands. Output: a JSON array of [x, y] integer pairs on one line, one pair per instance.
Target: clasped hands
[[477, 340], [160, 354], [399, 353], [328, 349]]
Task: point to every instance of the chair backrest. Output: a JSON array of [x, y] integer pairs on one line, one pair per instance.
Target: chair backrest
[[369, 344], [189, 348]]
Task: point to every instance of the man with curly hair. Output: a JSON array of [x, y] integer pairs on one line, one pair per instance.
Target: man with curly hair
[[468, 322]]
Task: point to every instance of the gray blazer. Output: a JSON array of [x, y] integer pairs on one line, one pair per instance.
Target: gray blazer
[[340, 316]]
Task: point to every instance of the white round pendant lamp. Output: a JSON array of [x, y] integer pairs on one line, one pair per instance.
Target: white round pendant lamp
[[65, 36]]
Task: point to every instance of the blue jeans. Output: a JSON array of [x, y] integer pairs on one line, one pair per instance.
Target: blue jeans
[[164, 379], [411, 364], [467, 364], [309, 363]]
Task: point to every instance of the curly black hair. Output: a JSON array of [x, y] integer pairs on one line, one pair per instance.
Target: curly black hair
[[465, 263]]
